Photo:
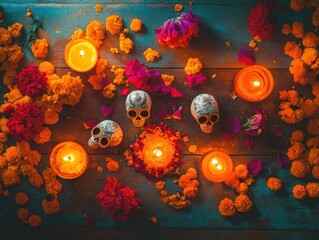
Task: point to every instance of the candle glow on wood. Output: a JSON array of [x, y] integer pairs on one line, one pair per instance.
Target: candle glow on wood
[[80, 55], [68, 160], [216, 166], [253, 83]]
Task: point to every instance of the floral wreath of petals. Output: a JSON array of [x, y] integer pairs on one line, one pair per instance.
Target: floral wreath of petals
[[135, 153]]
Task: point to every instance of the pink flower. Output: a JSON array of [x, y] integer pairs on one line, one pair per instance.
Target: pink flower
[[107, 110], [194, 80], [246, 57], [118, 200], [125, 92], [256, 124], [175, 93], [177, 32], [31, 82], [231, 126], [90, 123], [25, 122], [255, 167], [177, 115]]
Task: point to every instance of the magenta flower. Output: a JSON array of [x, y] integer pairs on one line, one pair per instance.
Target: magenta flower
[[125, 92], [175, 93], [177, 32], [231, 127], [194, 80], [255, 167], [107, 110], [256, 124], [246, 57]]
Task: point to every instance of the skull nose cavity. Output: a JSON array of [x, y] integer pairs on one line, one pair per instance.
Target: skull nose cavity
[[92, 143]]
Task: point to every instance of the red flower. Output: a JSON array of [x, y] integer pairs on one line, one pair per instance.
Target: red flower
[[194, 80], [118, 200], [31, 81], [25, 122]]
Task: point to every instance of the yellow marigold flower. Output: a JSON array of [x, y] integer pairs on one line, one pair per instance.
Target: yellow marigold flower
[[77, 34], [293, 49], [14, 53], [241, 171], [52, 184], [9, 79], [184, 181], [98, 7], [312, 189], [3, 125], [151, 54], [315, 172], [101, 67], [310, 40], [242, 188], [40, 48], [13, 95], [296, 150], [23, 214], [112, 166], [46, 67], [114, 50], [178, 7], [299, 71], [274, 184], [119, 75], [190, 191], [299, 191], [168, 79], [193, 66], [252, 44], [136, 25], [95, 30], [126, 44], [33, 157], [51, 117], [15, 29], [51, 207], [12, 154], [298, 29], [313, 126], [43, 136], [10, 177], [309, 55], [5, 37], [299, 168], [109, 91], [34, 177], [286, 29], [114, 24], [243, 203], [21, 198], [232, 181], [34, 220], [3, 137], [227, 208]]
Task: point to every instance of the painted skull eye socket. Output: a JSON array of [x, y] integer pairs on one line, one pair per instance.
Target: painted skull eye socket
[[144, 113], [214, 118], [132, 113], [104, 141], [202, 119], [96, 131]]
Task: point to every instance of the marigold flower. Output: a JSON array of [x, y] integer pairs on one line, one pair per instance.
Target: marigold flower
[[299, 168], [98, 7], [190, 191], [193, 66], [296, 151], [136, 25], [151, 54], [126, 44], [109, 91], [242, 188], [112, 166], [308, 107], [313, 126], [191, 173], [286, 29], [3, 138], [10, 177], [5, 37], [51, 207], [232, 181], [299, 191], [311, 40], [34, 220], [114, 24], [309, 55], [299, 71], [50, 117], [21, 198], [43, 136], [46, 67], [23, 214], [35, 178], [315, 172], [313, 157], [23, 147], [274, 184], [241, 171], [297, 29], [160, 185], [114, 50], [14, 53], [243, 203], [15, 29], [312, 189], [101, 67], [77, 34], [12, 154], [40, 48], [52, 184], [95, 30], [297, 136], [293, 49], [119, 74], [33, 157], [178, 7], [227, 208]]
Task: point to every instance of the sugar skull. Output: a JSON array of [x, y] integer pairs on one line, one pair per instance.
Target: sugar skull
[[106, 133], [204, 109], [138, 107]]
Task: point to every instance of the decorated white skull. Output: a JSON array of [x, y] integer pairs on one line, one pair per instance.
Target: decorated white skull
[[106, 133], [138, 107], [204, 109]]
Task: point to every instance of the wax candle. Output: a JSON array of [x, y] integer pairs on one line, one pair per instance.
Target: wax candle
[[216, 166], [158, 152], [80, 55], [68, 160], [253, 83]]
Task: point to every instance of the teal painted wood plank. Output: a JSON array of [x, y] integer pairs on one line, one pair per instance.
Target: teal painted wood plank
[[219, 23]]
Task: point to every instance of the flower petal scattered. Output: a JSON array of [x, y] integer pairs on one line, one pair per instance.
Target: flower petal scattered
[[107, 110], [255, 167]]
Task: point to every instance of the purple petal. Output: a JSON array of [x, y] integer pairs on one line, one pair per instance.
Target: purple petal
[[282, 160], [232, 125], [246, 57], [255, 167], [107, 110], [194, 80], [249, 142]]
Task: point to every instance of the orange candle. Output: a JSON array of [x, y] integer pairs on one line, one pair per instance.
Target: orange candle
[[68, 160], [80, 55], [253, 83], [216, 166], [158, 152]]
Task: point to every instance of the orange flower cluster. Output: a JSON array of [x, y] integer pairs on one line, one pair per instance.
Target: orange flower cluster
[[111, 164], [40, 48], [274, 184], [151, 55], [311, 190]]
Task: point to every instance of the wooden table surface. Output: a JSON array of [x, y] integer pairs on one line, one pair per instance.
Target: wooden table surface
[[274, 215]]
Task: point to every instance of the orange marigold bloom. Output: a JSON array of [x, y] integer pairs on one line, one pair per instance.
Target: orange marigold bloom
[[98, 7], [14, 53], [168, 80], [21, 198], [119, 75], [192, 173], [299, 71], [46, 67], [313, 157], [297, 29], [313, 126], [184, 181], [15, 29], [312, 189], [10, 177], [3, 164], [23, 147], [114, 50], [309, 108], [112, 166], [101, 67], [50, 117], [34, 220], [77, 34], [274, 184], [299, 168], [313, 142], [232, 181], [309, 56], [296, 151], [33, 157], [242, 188], [126, 44], [241, 171], [40, 48], [286, 29], [297, 136], [51, 207], [190, 191], [95, 30], [136, 25], [3, 125], [315, 172], [12, 154], [13, 95], [160, 185], [109, 91], [193, 66], [23, 214], [151, 54], [243, 203], [114, 24], [5, 37], [3, 137], [43, 136], [311, 40], [227, 208], [293, 49], [299, 191]]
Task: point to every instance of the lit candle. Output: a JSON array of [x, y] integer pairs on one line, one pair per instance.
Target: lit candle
[[158, 152], [68, 160], [80, 55], [216, 166], [253, 83]]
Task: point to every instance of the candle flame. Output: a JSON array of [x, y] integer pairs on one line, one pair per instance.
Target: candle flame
[[82, 53], [158, 153], [216, 164], [68, 158], [256, 83]]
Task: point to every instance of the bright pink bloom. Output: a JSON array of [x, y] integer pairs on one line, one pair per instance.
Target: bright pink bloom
[[194, 80], [118, 200], [107, 110], [246, 57], [177, 32], [125, 92], [256, 124]]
